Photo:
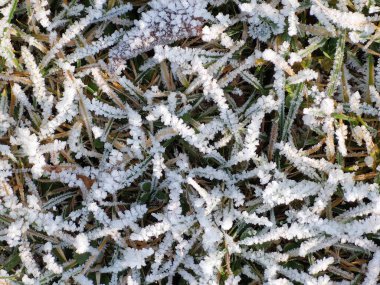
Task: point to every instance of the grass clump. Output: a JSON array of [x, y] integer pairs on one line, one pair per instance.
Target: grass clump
[[189, 142]]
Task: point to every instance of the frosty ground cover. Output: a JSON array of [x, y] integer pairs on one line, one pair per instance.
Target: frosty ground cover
[[189, 142]]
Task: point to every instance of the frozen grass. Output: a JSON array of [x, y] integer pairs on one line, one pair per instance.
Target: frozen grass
[[189, 142]]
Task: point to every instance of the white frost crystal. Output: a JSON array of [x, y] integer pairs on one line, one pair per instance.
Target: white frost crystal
[[81, 243]]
